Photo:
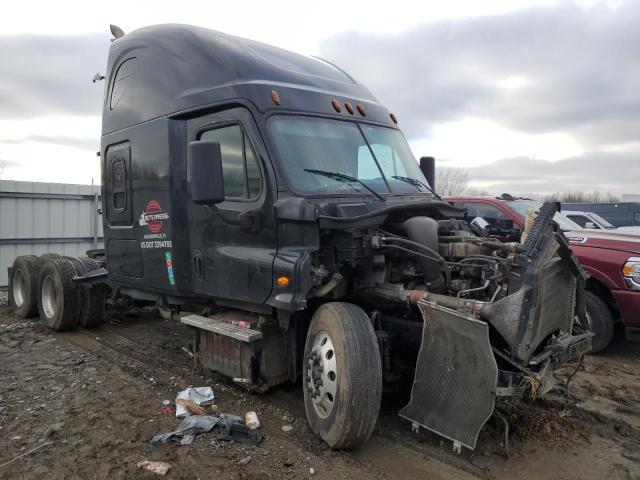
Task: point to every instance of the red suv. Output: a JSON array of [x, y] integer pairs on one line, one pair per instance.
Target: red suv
[[611, 257]]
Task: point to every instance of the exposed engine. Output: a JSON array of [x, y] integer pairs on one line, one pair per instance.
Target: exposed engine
[[499, 315]]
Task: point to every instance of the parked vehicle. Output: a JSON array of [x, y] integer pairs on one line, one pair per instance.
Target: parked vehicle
[[594, 221], [620, 214], [270, 202], [611, 257]]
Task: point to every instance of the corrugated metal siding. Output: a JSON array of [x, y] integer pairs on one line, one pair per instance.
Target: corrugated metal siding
[[37, 218]]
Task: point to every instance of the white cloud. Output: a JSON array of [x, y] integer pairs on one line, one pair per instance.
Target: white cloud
[[475, 141], [286, 23], [54, 126]]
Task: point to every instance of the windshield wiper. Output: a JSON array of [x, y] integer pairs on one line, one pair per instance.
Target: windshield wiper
[[341, 177], [416, 183]]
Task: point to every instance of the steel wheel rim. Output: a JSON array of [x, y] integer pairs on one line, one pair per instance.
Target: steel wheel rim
[[321, 375], [49, 297], [19, 286]]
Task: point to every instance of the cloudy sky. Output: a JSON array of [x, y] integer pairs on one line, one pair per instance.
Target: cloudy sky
[[530, 96]]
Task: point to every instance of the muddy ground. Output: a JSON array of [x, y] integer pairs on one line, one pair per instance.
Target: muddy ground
[[91, 397]]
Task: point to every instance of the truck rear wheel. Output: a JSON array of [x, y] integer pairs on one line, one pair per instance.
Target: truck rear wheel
[[93, 296], [58, 296], [342, 375], [601, 322], [24, 285]]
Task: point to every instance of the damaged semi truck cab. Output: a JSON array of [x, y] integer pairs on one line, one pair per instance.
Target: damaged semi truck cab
[[269, 201]]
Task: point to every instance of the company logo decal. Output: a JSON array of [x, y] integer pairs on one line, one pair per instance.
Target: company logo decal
[[153, 216]]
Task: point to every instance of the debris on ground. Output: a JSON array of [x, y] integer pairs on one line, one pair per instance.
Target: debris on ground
[[186, 431], [235, 430], [251, 419], [190, 406], [164, 410], [161, 468], [287, 428], [26, 453], [245, 460], [197, 395]]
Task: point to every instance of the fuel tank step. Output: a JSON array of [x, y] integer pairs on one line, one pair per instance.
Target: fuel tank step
[[222, 327]]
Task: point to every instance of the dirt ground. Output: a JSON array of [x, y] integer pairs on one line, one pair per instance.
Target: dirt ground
[[89, 399]]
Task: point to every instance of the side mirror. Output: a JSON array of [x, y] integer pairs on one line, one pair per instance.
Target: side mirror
[[205, 173], [428, 168]]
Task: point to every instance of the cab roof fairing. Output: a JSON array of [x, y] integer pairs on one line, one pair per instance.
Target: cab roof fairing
[[179, 68]]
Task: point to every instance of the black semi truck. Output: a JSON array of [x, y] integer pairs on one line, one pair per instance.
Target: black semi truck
[[270, 202]]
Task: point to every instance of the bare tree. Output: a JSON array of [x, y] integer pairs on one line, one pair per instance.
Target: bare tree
[[451, 180], [477, 192], [582, 197]]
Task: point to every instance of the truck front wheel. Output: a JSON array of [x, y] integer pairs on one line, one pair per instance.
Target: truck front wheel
[[601, 322], [342, 375]]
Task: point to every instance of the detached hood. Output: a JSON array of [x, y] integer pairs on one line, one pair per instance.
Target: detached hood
[[610, 239]]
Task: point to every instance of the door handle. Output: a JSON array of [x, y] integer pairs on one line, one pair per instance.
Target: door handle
[[198, 264]]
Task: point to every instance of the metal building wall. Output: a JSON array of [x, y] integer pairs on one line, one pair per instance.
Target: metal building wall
[[37, 218]]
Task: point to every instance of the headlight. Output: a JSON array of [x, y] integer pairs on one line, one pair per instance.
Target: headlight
[[631, 271]]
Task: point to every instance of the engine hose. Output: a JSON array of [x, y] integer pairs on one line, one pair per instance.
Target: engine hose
[[477, 289], [415, 244]]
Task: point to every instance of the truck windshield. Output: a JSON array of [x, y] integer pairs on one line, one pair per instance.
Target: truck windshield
[[319, 155], [523, 207]]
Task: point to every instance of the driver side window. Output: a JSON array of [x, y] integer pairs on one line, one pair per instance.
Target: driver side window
[[490, 213], [242, 179]]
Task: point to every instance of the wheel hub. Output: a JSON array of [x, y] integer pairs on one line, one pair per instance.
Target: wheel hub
[[321, 375], [19, 287], [49, 297]]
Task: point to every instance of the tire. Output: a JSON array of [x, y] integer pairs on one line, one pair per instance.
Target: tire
[[601, 322], [49, 256], [93, 297], [343, 410], [24, 285], [59, 299]]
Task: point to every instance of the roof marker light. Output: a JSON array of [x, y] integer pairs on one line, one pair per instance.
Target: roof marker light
[[275, 97], [360, 109], [349, 107], [394, 119], [336, 105]]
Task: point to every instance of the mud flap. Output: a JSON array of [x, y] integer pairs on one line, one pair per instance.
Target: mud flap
[[456, 376]]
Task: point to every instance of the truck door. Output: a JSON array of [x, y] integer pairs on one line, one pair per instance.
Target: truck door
[[233, 244]]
